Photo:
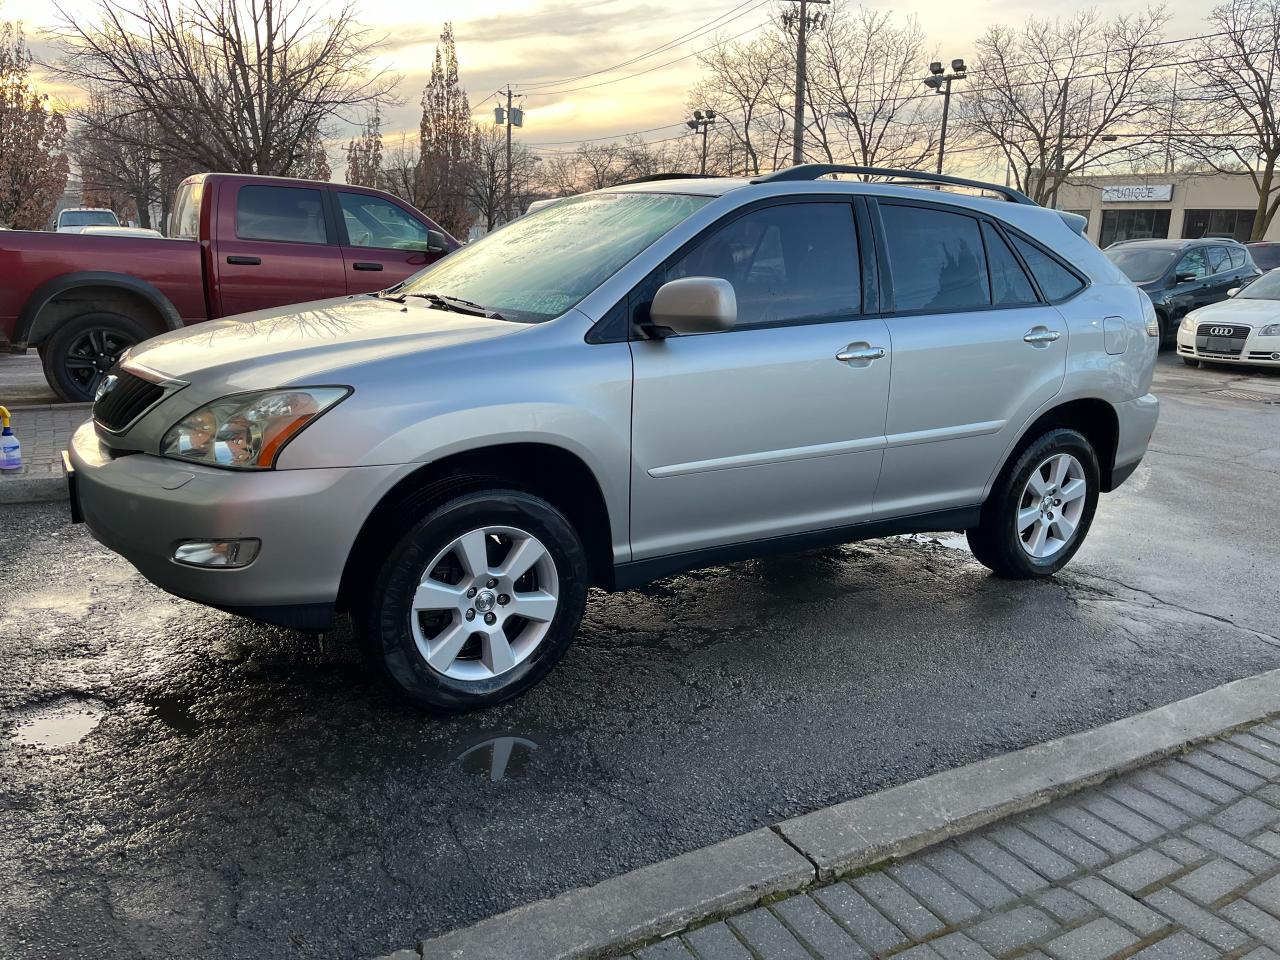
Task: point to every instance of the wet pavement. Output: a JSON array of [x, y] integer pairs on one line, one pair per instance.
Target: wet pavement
[[176, 781]]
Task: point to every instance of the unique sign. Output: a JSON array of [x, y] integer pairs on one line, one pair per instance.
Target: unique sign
[[1138, 193]]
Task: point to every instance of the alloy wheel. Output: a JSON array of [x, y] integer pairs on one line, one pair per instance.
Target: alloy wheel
[[484, 603], [92, 354], [1051, 505]]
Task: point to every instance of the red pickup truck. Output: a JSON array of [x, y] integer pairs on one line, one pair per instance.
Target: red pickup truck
[[236, 243]]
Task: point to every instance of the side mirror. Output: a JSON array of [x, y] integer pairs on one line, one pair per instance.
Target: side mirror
[[1186, 277], [693, 305], [436, 242], [1233, 291]]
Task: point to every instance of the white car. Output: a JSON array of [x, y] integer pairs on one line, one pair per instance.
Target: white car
[[1242, 329], [122, 232], [75, 219]]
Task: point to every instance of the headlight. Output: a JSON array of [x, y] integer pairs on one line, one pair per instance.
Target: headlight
[[247, 431], [1188, 324], [1270, 330]]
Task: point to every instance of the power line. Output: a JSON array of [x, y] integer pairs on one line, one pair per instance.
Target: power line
[[661, 48]]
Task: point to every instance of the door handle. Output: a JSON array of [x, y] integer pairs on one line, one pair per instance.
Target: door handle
[[358, 265], [240, 261], [860, 351], [1041, 336]]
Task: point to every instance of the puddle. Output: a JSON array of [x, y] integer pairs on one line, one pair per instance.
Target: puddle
[[504, 757], [59, 724]]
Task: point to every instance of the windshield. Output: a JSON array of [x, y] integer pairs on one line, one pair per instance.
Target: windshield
[[1266, 287], [1139, 265], [89, 218], [540, 265]]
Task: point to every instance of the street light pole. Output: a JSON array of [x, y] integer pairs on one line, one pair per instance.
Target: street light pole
[[940, 81], [702, 120]]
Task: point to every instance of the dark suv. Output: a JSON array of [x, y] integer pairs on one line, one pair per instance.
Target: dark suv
[[1181, 275]]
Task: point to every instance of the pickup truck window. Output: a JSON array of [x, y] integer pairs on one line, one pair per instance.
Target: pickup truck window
[[288, 214], [374, 222], [184, 222]]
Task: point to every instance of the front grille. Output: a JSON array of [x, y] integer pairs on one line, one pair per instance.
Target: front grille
[[129, 399], [1221, 339]]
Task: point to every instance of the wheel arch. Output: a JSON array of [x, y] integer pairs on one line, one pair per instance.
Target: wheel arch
[[58, 298], [556, 474], [1094, 417]]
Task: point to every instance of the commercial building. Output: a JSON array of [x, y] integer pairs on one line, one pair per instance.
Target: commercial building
[[1127, 207]]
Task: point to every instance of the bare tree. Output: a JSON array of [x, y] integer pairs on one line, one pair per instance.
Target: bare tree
[[116, 152], [746, 84], [487, 181], [33, 166], [865, 95], [1225, 114], [401, 170], [249, 86], [1052, 97]]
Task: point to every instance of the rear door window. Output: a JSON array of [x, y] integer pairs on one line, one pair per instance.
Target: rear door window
[[1219, 260], [936, 257], [288, 214]]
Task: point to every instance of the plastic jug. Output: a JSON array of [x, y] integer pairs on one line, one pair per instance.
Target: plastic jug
[[10, 448]]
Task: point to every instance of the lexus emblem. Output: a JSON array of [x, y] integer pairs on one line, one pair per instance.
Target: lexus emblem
[[1221, 331], [106, 386]]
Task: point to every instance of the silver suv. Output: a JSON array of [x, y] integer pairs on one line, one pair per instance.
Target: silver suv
[[655, 377]]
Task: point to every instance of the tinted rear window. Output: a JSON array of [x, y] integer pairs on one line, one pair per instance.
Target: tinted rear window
[[291, 214], [1267, 257]]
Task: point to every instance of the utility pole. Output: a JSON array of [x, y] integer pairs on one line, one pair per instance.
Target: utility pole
[[702, 120], [802, 23], [940, 81], [510, 117], [1168, 140], [1060, 158]]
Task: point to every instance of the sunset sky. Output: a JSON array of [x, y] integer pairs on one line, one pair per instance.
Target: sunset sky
[[528, 42]]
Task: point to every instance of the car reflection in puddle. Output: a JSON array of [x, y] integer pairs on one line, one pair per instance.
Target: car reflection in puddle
[[498, 757]]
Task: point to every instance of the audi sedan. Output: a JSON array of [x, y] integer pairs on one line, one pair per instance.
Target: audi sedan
[[1242, 329]]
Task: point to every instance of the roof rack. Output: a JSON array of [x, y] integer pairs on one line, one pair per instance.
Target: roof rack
[[812, 171], [667, 176]]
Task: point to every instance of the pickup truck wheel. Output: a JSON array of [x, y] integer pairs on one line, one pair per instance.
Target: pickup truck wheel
[[477, 602], [1040, 509], [80, 352]]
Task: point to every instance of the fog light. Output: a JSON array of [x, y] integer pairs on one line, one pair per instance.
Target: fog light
[[217, 553]]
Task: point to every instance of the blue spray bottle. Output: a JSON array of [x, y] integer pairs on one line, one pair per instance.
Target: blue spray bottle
[[10, 449]]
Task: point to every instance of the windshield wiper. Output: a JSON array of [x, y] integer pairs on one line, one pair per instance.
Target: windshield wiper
[[458, 305]]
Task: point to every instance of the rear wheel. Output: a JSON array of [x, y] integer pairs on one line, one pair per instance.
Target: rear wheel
[[1040, 509], [477, 602], [78, 354]]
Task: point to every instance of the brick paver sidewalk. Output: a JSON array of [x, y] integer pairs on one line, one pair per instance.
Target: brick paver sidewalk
[[44, 433], [1178, 861]]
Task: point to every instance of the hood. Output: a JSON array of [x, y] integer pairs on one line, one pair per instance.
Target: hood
[[302, 342], [1240, 310]]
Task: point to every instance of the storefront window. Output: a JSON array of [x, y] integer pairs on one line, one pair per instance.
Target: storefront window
[[1237, 224], [1132, 225]]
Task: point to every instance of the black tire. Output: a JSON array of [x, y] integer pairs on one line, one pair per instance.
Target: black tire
[[1163, 339], [79, 352], [383, 617], [996, 542], [1191, 361]]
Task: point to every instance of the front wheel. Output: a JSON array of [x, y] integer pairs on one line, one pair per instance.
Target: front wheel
[[1040, 509], [477, 602], [78, 354]]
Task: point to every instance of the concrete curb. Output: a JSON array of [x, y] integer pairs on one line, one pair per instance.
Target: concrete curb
[[45, 489], [624, 911]]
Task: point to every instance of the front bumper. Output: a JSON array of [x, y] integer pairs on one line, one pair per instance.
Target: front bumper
[[1136, 420], [1257, 350], [143, 506]]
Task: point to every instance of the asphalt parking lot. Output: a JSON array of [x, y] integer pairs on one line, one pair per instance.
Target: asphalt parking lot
[[174, 781]]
